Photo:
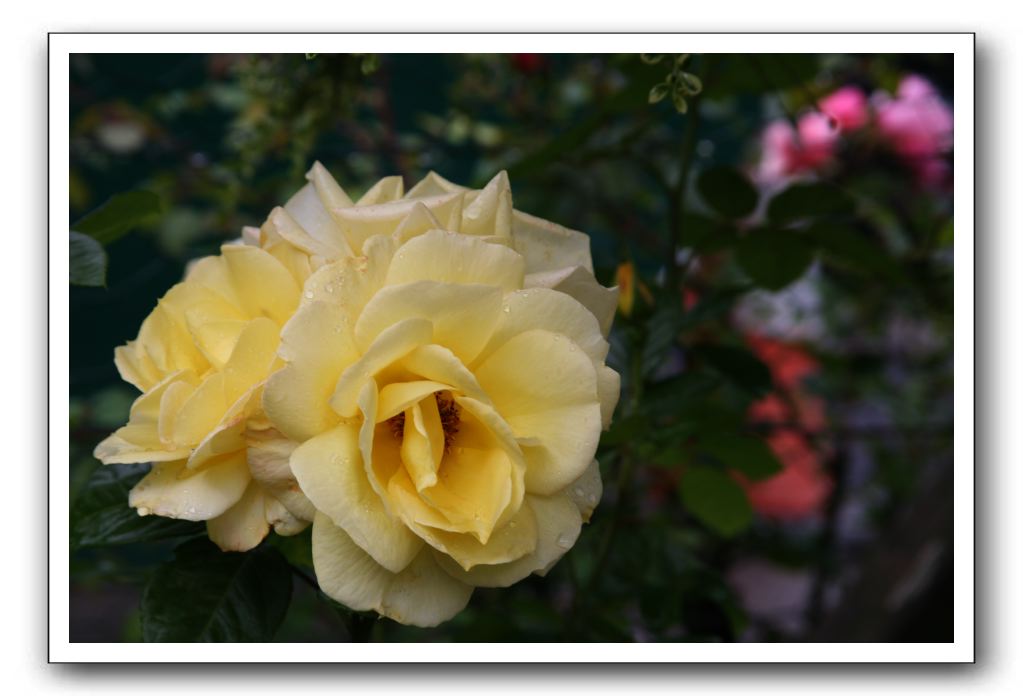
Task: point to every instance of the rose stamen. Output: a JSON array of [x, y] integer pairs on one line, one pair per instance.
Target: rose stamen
[[449, 420]]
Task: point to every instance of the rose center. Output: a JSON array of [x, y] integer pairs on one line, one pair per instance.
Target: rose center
[[449, 419]]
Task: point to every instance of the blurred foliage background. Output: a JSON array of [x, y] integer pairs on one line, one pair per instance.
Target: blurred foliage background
[[780, 466]]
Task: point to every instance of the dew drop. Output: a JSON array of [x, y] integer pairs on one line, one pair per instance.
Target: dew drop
[[309, 294], [143, 511], [506, 309], [592, 498], [513, 524], [579, 492], [564, 541]]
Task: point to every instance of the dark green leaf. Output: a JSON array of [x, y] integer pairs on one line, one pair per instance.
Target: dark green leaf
[[662, 331], [100, 515], [845, 247], [803, 200], [727, 191], [120, 214], [676, 393], [773, 258], [737, 365], [715, 499], [748, 455], [706, 235], [207, 595], [88, 261]]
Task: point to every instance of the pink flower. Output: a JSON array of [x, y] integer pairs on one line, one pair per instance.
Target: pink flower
[[847, 106], [917, 123], [802, 487], [785, 153]]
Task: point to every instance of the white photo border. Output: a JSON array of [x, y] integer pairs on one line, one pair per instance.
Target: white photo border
[[961, 45]]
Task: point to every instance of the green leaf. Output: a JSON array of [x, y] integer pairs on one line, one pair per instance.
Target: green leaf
[[727, 191], [100, 515], [705, 235], [845, 247], [658, 93], [120, 214], [662, 331], [773, 258], [691, 83], [737, 365], [715, 499], [88, 261], [207, 595], [678, 98], [673, 395], [801, 201], [747, 455]]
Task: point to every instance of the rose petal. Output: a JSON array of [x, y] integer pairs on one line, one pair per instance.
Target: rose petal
[[244, 524], [421, 595], [579, 283], [546, 389], [558, 525], [330, 470], [547, 246], [390, 345], [454, 258], [169, 490], [463, 316]]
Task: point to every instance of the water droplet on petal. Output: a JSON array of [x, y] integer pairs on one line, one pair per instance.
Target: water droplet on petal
[[506, 309], [578, 492], [143, 511], [309, 294], [564, 541]]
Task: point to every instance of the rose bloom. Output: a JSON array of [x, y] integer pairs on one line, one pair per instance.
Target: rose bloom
[[201, 359], [919, 127], [788, 152], [847, 106], [444, 375]]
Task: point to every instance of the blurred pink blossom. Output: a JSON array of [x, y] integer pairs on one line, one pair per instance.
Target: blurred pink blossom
[[788, 151], [802, 487], [918, 125], [848, 107]]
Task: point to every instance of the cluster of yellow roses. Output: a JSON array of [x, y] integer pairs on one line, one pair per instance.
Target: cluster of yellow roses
[[418, 375]]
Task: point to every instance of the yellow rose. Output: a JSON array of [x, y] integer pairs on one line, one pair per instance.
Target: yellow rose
[[444, 374], [201, 359]]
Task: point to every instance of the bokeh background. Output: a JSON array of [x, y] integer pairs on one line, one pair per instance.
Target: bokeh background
[[780, 466]]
